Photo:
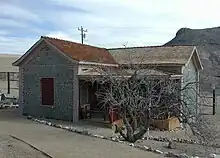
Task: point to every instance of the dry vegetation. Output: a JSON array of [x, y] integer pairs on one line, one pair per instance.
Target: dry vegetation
[[139, 98]]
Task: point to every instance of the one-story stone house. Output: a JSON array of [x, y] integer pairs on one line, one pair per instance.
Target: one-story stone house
[[52, 73]]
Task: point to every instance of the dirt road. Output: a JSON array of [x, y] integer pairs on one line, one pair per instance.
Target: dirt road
[[62, 144]]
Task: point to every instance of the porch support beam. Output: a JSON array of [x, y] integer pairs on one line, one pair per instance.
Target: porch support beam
[[75, 94]]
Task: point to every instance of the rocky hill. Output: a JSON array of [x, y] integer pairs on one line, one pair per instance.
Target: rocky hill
[[208, 44]]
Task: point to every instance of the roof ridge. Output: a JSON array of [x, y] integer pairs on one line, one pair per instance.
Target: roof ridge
[[45, 37], [152, 46], [54, 38]]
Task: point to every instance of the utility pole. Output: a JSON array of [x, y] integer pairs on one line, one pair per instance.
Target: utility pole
[[83, 34]]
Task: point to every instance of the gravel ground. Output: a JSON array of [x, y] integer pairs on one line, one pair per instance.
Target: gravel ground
[[193, 150], [11, 148], [59, 143], [190, 149]]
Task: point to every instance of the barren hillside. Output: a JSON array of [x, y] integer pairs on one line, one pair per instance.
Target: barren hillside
[[208, 44]]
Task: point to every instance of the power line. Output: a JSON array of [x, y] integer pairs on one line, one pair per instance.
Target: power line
[[83, 34]]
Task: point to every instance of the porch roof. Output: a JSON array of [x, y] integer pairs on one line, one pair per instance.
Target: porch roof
[[92, 73]]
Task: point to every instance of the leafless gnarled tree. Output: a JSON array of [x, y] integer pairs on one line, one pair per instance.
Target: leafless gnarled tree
[[143, 94]]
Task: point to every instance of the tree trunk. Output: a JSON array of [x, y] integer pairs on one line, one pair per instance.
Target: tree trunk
[[130, 136], [140, 134]]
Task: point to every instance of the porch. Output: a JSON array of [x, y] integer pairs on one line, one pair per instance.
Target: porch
[[91, 107]]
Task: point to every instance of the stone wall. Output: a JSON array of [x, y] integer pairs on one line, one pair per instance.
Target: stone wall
[[47, 63]]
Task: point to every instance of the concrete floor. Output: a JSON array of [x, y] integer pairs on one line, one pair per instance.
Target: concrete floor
[[62, 144]]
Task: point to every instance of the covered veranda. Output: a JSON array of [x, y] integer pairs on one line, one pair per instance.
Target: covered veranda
[[91, 107]]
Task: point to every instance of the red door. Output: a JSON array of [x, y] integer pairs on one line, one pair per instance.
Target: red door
[[47, 91]]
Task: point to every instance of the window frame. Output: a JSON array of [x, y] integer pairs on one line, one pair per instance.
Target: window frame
[[41, 93]]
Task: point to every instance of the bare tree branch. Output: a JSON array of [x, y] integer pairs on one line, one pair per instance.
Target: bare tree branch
[[141, 94]]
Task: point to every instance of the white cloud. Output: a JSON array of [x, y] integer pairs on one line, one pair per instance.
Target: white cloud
[[110, 23], [3, 32], [11, 23], [13, 11], [60, 35], [15, 45]]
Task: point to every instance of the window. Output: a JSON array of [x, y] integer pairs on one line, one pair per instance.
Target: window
[[47, 91]]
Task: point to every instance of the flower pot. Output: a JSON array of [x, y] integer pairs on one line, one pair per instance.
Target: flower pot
[[167, 124]]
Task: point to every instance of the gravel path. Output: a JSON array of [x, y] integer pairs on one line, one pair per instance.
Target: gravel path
[[62, 144], [71, 144], [11, 148], [189, 149]]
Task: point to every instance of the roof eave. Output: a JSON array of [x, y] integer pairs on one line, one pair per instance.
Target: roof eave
[[157, 64], [97, 63], [200, 67], [200, 62]]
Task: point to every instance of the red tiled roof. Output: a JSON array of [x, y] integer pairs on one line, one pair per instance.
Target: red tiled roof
[[81, 52]]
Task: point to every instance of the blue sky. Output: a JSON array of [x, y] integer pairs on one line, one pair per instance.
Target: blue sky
[[110, 23]]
